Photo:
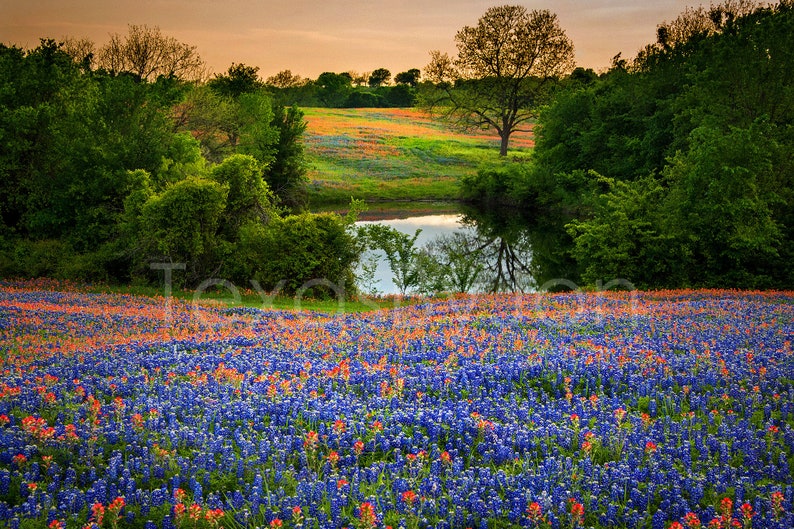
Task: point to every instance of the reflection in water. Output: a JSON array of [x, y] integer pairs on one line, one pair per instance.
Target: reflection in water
[[482, 251], [433, 227]]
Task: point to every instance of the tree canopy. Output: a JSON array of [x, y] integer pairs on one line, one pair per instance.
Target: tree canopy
[[674, 169], [501, 72], [105, 171], [148, 53]]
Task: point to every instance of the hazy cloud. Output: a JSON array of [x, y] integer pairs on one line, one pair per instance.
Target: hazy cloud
[[310, 36]]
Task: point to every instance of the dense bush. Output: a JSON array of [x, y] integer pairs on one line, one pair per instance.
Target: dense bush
[[674, 169], [308, 254], [106, 173]]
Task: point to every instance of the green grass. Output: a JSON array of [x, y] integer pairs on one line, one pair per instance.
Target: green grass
[[392, 155], [252, 299]]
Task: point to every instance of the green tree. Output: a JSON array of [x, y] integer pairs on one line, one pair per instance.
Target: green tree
[[724, 207], [311, 254], [379, 77], [255, 133], [502, 71], [239, 79], [333, 88], [625, 238], [285, 79], [180, 225], [286, 175], [37, 89], [410, 77], [249, 197], [401, 96]]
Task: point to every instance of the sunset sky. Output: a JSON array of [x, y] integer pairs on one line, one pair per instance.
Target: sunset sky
[[309, 37]]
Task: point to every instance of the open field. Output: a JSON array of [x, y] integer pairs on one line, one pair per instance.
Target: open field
[[392, 154], [637, 410]]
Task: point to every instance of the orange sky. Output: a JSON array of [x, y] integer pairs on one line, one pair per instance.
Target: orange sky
[[309, 37]]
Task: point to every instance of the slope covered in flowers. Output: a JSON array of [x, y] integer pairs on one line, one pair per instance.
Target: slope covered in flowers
[[653, 410], [393, 154]]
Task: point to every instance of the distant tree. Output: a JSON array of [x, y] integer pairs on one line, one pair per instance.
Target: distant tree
[[695, 20], [361, 99], [81, 50], [401, 95], [379, 77], [285, 79], [359, 79], [583, 76], [147, 53], [333, 88], [411, 77], [501, 73], [239, 79]]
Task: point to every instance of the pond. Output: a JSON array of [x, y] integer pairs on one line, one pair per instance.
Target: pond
[[493, 250], [432, 227]]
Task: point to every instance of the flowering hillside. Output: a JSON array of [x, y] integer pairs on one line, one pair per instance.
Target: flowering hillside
[[395, 153], [646, 410]]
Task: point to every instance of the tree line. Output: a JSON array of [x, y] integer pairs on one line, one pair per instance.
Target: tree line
[[674, 168], [109, 166], [670, 169]]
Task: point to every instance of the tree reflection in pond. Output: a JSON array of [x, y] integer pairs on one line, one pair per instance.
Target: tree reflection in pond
[[487, 251]]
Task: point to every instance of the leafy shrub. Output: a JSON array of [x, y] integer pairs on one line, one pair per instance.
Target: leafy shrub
[[310, 254]]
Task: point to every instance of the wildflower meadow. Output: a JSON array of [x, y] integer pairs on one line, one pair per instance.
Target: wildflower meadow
[[658, 410], [393, 154]]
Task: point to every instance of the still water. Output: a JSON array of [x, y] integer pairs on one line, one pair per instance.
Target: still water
[[432, 226]]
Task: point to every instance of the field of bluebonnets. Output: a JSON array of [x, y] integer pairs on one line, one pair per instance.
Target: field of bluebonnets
[[653, 410]]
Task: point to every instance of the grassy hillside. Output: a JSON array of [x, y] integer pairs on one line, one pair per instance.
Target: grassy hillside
[[392, 154]]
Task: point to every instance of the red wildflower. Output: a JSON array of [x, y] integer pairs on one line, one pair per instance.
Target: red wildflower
[[535, 512], [358, 447], [691, 520], [98, 513], [577, 512], [367, 516], [777, 504], [310, 443], [747, 514], [213, 516], [297, 514], [409, 497]]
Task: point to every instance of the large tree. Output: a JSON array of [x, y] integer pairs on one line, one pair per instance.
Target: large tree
[[503, 67], [147, 53]]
